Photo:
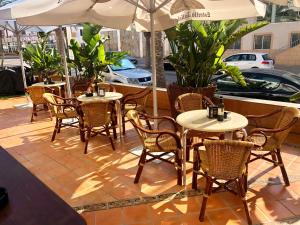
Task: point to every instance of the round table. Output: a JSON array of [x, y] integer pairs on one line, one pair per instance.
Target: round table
[[109, 96], [57, 84], [199, 121]]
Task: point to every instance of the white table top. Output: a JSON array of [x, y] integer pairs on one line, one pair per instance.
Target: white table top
[[109, 96], [198, 120], [56, 83]]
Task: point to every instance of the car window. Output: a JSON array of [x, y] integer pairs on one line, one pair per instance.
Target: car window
[[266, 57], [124, 64], [232, 58], [251, 57]]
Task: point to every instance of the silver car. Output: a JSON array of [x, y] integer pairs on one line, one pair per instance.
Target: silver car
[[127, 73]]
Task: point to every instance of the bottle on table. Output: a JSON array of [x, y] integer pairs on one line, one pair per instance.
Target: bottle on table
[[221, 110]]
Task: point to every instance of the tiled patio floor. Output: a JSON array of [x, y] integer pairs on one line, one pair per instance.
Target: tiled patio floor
[[104, 175]]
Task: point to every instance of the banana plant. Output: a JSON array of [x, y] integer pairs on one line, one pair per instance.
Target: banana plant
[[43, 60], [90, 58], [197, 49]]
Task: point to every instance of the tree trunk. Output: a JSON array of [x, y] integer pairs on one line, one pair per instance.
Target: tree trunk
[[147, 36], [59, 43], [160, 73]]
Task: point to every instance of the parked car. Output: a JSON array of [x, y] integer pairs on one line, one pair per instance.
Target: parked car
[[127, 73], [132, 59], [268, 84], [250, 60]]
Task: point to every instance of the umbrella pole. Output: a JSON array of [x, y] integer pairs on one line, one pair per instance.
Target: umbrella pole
[[153, 61], [64, 57]]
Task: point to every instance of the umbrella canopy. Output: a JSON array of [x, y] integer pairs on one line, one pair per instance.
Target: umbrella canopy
[[146, 15], [296, 3], [121, 14]]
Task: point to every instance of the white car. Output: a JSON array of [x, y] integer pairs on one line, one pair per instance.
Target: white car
[[250, 60], [127, 73]]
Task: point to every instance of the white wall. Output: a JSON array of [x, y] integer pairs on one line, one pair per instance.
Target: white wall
[[281, 35]]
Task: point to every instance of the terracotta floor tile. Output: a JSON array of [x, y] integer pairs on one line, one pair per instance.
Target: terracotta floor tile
[[223, 216], [293, 205], [274, 210], [187, 205], [108, 217], [89, 217], [136, 214], [257, 216]]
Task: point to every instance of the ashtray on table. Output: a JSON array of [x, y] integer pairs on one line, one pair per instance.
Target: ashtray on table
[[89, 94]]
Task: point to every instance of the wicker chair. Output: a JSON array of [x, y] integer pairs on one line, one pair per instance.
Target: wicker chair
[[96, 120], [80, 88], [36, 96], [135, 101], [224, 160], [61, 108], [106, 86], [268, 141], [194, 101], [163, 141]]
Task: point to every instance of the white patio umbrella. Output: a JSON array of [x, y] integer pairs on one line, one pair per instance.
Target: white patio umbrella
[[146, 15]]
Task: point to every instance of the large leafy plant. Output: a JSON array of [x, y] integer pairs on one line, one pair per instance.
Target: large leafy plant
[[44, 60], [197, 49], [90, 58]]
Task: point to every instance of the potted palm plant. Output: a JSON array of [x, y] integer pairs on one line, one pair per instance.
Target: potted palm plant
[[196, 54], [90, 59], [44, 60]]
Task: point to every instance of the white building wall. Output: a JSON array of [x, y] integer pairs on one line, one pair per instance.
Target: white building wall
[[281, 35]]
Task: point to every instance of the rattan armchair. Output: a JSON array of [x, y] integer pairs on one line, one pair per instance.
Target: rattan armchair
[[80, 88], [106, 86], [162, 140], [62, 108], [194, 101], [224, 160], [135, 101], [36, 96], [268, 141], [96, 120]]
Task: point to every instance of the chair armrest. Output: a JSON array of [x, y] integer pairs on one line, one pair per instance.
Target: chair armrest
[[263, 115], [161, 118]]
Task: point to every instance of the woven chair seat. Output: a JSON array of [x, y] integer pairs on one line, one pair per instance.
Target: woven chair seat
[[167, 144], [67, 114], [133, 107], [259, 140]]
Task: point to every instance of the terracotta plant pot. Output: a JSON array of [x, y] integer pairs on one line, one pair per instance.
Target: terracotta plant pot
[[174, 91]]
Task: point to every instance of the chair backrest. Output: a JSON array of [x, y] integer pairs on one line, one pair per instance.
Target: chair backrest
[[107, 87], [96, 113], [140, 97], [80, 88], [226, 159], [56, 77], [286, 118], [134, 118], [191, 101], [52, 101], [36, 94]]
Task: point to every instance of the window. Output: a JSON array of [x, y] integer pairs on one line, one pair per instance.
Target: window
[[236, 45], [295, 39], [81, 32], [247, 57], [262, 41], [232, 58]]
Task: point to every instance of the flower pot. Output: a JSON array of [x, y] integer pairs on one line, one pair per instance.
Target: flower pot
[[174, 91]]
